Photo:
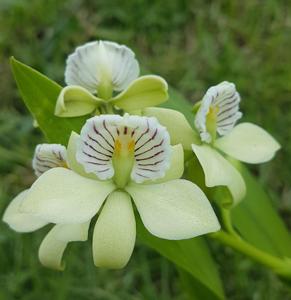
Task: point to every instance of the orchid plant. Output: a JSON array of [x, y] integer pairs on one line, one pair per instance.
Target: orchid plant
[[124, 151]]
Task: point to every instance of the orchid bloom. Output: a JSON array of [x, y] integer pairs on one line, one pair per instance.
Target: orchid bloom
[[216, 133], [116, 160], [103, 76], [46, 157]]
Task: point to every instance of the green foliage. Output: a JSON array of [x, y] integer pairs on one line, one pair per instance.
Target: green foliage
[[192, 256], [39, 94], [256, 219]]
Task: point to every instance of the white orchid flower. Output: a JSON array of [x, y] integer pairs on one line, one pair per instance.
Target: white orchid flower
[[114, 161], [102, 76], [215, 122], [46, 156]]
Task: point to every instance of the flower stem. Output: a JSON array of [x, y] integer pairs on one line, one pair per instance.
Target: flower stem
[[226, 218], [281, 266]]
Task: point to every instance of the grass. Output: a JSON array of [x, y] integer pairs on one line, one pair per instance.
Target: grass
[[193, 44]]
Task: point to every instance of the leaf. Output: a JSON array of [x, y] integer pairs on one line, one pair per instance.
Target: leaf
[[257, 220], [192, 256], [193, 288], [40, 94]]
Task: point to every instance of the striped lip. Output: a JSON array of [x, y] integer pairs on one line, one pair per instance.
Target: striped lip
[[223, 101], [48, 156], [141, 139]]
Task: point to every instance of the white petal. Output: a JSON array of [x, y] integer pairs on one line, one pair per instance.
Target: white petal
[[219, 172], [95, 62], [150, 140], [249, 143], [152, 150], [97, 143], [47, 156], [62, 196], [18, 221], [114, 233], [176, 169], [73, 164], [174, 210], [225, 99], [54, 244], [178, 127]]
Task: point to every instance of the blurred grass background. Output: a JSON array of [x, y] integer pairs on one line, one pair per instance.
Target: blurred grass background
[[193, 44]]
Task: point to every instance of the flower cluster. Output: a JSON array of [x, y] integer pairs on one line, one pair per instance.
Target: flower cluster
[[128, 158]]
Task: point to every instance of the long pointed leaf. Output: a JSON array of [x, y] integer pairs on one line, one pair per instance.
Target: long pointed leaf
[[40, 94]]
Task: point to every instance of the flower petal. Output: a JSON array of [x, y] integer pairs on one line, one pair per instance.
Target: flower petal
[[174, 210], [249, 143], [114, 233], [143, 138], [62, 196], [149, 90], [71, 156], [21, 222], [101, 61], [178, 127], [48, 156], [75, 101], [55, 242], [176, 169], [224, 98], [218, 171]]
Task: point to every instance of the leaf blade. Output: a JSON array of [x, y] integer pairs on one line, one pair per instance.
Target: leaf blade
[[40, 94]]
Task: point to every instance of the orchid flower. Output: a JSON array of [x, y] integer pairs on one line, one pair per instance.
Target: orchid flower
[[116, 160], [46, 157], [215, 134], [103, 76]]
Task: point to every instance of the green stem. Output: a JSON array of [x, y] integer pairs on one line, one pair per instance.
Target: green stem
[[226, 218], [280, 266]]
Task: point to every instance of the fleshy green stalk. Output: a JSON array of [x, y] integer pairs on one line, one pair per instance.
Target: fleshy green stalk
[[281, 266]]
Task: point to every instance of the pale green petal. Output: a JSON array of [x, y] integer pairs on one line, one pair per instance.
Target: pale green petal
[[149, 90], [249, 143], [114, 233], [174, 210], [18, 221], [178, 127], [62, 196], [176, 169], [75, 101], [218, 171], [71, 157], [55, 242]]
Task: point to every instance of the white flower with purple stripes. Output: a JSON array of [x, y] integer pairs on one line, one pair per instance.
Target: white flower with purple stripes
[[114, 162], [216, 131], [103, 76], [47, 156], [218, 112]]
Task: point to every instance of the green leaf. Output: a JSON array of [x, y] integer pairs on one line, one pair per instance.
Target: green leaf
[[193, 288], [40, 94], [190, 255], [257, 220]]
